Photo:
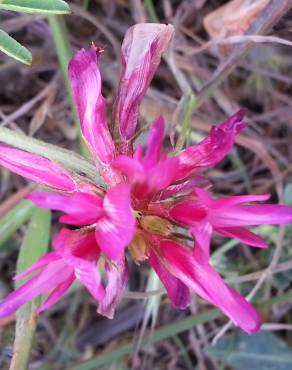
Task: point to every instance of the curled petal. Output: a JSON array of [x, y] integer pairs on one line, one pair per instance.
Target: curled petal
[[213, 148], [80, 208], [177, 291], [117, 279], [199, 276], [85, 83], [36, 168], [141, 53], [242, 234], [115, 230]]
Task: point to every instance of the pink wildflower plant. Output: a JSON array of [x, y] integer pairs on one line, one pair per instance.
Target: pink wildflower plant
[[155, 206]]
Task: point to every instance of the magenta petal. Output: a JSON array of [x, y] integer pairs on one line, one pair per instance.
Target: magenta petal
[[202, 233], [162, 174], [81, 208], [141, 53], [43, 261], [184, 187], [53, 274], [115, 230], [57, 293], [242, 234], [238, 199], [213, 148], [117, 279], [251, 215], [131, 168], [85, 82], [88, 274], [36, 168], [155, 142], [205, 281], [77, 243], [189, 212], [178, 292]]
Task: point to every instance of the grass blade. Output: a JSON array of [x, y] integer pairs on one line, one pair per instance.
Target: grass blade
[[162, 333], [64, 157], [36, 6], [14, 49], [14, 219], [35, 244]]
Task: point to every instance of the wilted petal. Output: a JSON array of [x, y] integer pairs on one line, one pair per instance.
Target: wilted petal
[[178, 292], [85, 83], [213, 148], [205, 281], [36, 168], [80, 208], [115, 230], [265, 214], [155, 142], [117, 278], [242, 234], [141, 53]]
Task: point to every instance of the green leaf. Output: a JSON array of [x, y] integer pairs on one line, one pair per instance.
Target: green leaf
[[34, 245], [64, 157], [36, 6], [254, 352], [14, 49], [14, 219]]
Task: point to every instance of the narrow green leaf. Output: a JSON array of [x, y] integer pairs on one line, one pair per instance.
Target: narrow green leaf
[[14, 49], [35, 244], [14, 219], [36, 6], [64, 157]]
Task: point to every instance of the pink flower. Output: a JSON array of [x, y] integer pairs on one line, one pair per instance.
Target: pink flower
[[147, 197]]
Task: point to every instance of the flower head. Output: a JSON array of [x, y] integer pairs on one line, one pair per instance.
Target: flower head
[[155, 205]]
